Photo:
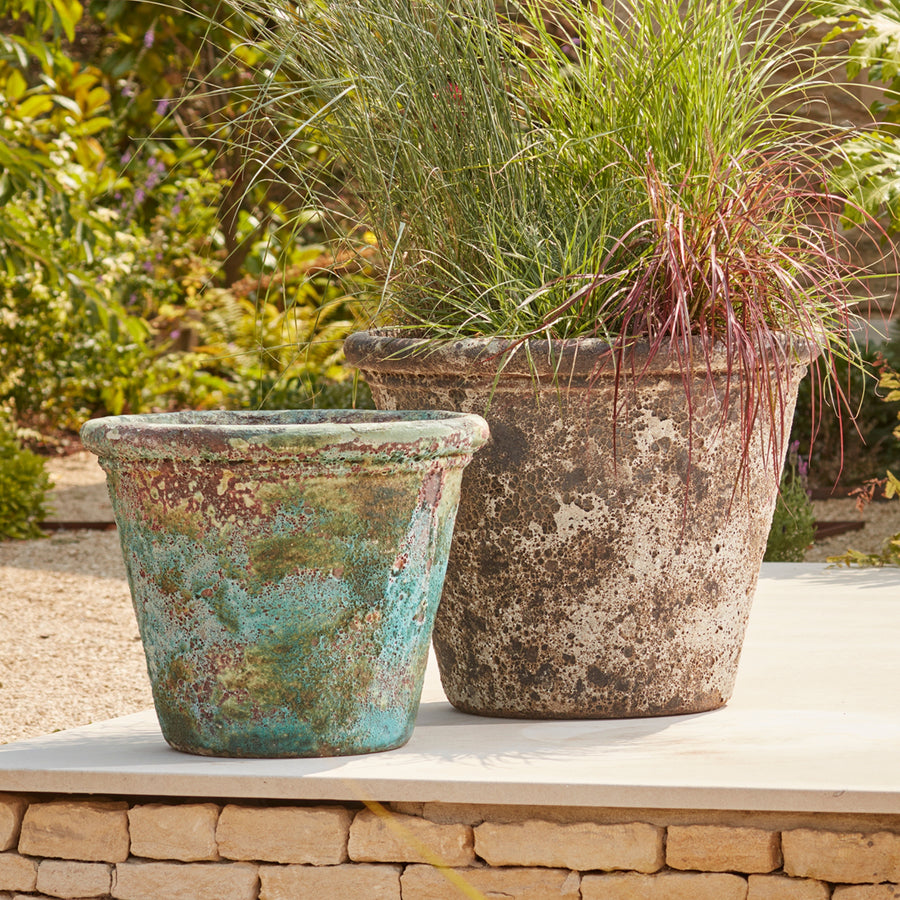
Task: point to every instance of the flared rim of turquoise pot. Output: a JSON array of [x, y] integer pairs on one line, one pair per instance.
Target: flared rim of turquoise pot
[[343, 434]]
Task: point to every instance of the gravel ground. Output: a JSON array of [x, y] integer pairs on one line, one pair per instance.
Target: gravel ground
[[69, 647]]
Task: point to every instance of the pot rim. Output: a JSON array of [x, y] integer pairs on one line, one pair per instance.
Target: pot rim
[[347, 435], [386, 350]]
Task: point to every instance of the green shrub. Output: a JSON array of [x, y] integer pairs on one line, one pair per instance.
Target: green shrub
[[842, 451], [889, 555], [793, 525], [24, 484], [137, 272], [869, 176]]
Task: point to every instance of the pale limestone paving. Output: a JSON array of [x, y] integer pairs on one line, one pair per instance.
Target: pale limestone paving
[[139, 880], [780, 887], [664, 886], [420, 882], [185, 832], [74, 879], [12, 808], [308, 835], [718, 848], [867, 892], [398, 838], [369, 881], [583, 846], [17, 873], [91, 831], [851, 857], [77, 581]]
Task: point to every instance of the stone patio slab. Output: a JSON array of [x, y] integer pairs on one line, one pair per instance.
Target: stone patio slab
[[814, 725]]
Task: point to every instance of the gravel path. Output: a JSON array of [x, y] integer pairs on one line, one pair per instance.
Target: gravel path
[[69, 647]]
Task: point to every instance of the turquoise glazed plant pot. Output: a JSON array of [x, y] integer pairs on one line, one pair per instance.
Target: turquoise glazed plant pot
[[285, 569]]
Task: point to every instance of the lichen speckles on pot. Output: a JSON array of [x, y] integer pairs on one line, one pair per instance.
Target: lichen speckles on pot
[[286, 599], [599, 569]]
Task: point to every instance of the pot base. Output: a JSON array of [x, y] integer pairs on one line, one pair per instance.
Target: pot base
[[548, 707]]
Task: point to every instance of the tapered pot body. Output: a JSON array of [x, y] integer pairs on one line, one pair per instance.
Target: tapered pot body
[[604, 565], [285, 569]]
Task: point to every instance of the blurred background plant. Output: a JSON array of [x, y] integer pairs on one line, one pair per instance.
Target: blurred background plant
[[888, 487], [793, 525], [844, 451], [870, 178], [140, 271], [24, 484]]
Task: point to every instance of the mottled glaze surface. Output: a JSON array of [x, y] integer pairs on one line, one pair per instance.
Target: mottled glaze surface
[[285, 569], [596, 572]]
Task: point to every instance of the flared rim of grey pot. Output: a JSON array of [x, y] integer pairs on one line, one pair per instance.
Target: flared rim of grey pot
[[556, 360], [347, 435]]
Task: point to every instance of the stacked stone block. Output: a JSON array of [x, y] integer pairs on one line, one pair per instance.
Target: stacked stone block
[[133, 849]]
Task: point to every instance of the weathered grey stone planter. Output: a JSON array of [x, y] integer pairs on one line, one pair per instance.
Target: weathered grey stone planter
[[597, 571], [285, 569]]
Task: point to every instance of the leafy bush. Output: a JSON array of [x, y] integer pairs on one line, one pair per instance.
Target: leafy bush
[[890, 485], [793, 525], [140, 273], [870, 178], [842, 450], [24, 484], [870, 175]]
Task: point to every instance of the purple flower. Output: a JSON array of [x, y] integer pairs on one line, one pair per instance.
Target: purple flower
[[149, 37], [161, 107], [139, 195]]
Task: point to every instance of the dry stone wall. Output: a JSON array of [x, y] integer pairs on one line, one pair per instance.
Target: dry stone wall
[[135, 849]]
